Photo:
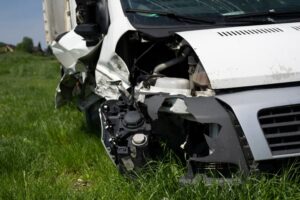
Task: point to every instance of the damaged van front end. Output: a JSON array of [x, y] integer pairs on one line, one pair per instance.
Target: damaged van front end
[[222, 93]]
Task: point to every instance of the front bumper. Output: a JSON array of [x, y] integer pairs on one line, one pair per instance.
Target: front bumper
[[241, 140], [221, 132], [224, 147]]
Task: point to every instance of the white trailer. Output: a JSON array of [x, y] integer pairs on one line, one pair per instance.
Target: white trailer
[[59, 17]]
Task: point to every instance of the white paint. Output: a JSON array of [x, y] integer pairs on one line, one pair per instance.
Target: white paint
[[70, 48], [230, 62], [248, 60], [118, 27]]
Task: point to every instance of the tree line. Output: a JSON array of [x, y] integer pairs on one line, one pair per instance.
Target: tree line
[[27, 45]]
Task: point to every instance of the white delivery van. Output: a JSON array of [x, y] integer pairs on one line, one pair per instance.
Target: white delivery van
[[218, 82]]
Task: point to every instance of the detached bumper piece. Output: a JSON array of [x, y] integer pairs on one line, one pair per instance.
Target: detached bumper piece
[[226, 155], [212, 143]]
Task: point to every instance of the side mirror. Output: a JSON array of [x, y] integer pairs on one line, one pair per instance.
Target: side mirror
[[90, 32]]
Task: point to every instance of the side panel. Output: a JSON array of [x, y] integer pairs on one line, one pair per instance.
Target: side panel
[[111, 67]]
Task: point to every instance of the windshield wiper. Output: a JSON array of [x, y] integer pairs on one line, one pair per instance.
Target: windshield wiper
[[175, 16], [266, 16], [261, 20]]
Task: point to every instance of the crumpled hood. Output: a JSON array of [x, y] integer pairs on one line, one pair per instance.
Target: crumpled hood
[[248, 55]]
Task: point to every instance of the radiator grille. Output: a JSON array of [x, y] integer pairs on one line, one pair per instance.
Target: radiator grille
[[281, 127]]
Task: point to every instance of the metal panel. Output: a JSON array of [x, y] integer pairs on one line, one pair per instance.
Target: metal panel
[[281, 126], [246, 106], [248, 55]]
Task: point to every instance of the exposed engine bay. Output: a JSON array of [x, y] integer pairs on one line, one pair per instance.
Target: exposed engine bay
[[133, 125]]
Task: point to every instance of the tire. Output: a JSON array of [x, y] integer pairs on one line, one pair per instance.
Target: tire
[[92, 117]]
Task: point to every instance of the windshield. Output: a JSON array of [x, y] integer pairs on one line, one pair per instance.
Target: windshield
[[215, 10]]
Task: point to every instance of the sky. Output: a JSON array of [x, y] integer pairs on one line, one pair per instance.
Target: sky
[[19, 18]]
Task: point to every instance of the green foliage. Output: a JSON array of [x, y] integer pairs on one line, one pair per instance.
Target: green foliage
[[2, 44], [26, 45], [49, 51], [49, 154]]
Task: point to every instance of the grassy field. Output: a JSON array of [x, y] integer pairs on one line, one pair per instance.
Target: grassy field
[[50, 154]]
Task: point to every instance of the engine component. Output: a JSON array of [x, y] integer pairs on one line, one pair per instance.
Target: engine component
[[200, 77], [173, 62], [174, 83], [125, 134], [139, 139], [133, 120]]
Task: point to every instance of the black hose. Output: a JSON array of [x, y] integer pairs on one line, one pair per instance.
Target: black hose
[[173, 62]]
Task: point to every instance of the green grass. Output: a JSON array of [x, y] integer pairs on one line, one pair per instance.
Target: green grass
[[49, 154]]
